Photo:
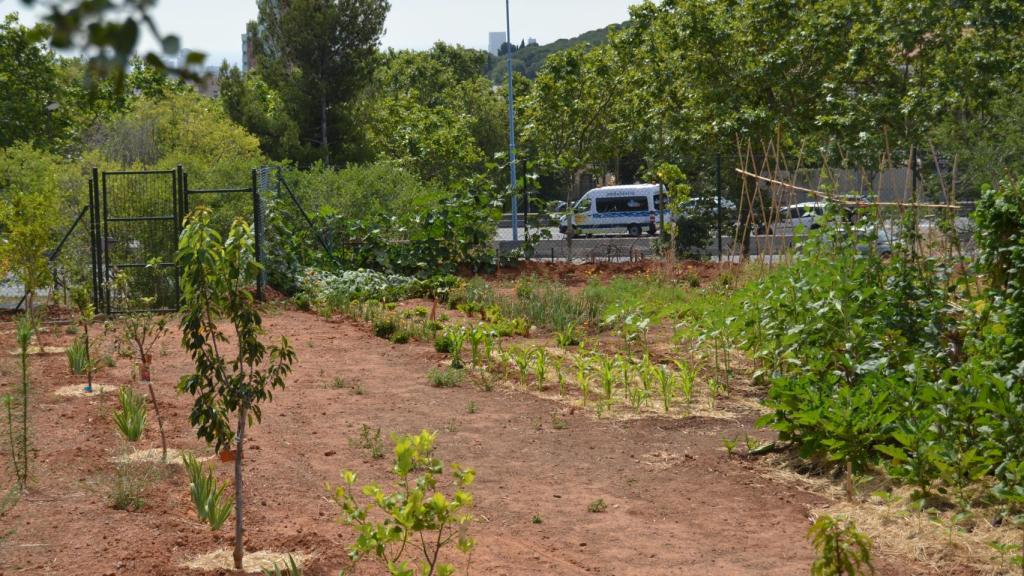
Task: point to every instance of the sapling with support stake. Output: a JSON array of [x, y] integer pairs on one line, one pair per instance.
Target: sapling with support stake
[[141, 330], [86, 314], [216, 276]]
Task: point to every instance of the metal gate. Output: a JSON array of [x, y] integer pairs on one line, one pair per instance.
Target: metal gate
[[136, 220]]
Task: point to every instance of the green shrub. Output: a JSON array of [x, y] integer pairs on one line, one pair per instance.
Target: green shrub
[[385, 327], [841, 549], [445, 378]]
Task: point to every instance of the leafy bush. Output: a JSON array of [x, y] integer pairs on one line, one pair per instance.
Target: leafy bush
[[417, 512]]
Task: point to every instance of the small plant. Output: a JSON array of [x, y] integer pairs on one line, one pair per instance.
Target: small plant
[[211, 498], [369, 439], [841, 549], [17, 420], [128, 487], [338, 383], [78, 358], [130, 417], [606, 366], [385, 327], [536, 519], [417, 517], [684, 381], [597, 506], [667, 386], [86, 314], [730, 445], [583, 376], [568, 337], [400, 336], [451, 426], [540, 366], [456, 337], [290, 568], [471, 407], [559, 364], [445, 378], [358, 389], [442, 343], [558, 423], [521, 358]]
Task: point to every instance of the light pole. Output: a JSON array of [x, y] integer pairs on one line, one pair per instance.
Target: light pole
[[511, 127]]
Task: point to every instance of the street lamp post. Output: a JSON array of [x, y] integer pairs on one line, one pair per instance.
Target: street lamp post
[[511, 127]]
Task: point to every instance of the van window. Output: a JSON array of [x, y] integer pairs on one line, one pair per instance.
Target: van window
[[622, 204], [657, 200]]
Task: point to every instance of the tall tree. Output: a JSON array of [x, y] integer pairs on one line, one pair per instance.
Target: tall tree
[[29, 86], [327, 50]]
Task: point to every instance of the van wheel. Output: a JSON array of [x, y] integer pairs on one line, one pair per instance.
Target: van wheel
[[633, 230]]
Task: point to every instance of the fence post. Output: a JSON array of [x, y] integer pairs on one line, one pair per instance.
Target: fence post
[[257, 225], [718, 191]]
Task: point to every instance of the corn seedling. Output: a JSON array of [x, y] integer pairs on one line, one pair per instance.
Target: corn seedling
[[441, 520], [457, 337], [476, 344], [583, 376], [471, 407], [540, 366], [211, 498], [559, 365], [684, 381], [130, 417], [606, 367], [521, 357], [667, 386], [714, 389], [730, 445], [637, 397]]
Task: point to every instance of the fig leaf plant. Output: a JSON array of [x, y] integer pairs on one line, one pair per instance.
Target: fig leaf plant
[[216, 279]]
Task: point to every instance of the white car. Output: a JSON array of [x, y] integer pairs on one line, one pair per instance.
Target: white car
[[805, 216]]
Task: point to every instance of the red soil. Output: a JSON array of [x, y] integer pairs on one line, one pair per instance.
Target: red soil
[[677, 504]]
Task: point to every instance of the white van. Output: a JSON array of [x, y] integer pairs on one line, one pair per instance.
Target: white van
[[632, 209]]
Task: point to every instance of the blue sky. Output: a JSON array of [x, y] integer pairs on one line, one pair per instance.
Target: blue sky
[[216, 26]]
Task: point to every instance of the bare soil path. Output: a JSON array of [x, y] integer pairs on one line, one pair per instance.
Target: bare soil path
[[677, 503]]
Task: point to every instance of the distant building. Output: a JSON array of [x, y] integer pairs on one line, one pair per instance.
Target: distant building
[[495, 40], [531, 42], [209, 84]]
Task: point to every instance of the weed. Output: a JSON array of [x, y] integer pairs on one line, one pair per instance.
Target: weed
[[752, 444], [558, 423], [471, 407], [536, 519], [400, 336], [129, 484], [445, 378], [385, 327], [211, 498], [841, 549], [597, 506], [130, 417], [451, 426], [443, 344], [338, 383], [730, 445], [369, 439]]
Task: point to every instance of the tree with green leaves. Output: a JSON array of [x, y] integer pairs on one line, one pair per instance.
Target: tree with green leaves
[[252, 103], [216, 279], [323, 54], [29, 87]]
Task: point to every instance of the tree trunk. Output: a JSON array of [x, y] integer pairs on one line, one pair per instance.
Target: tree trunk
[[159, 422], [323, 127], [570, 218], [239, 530]]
